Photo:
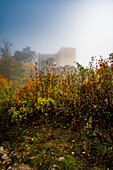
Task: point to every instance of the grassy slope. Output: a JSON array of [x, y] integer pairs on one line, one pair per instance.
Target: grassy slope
[[41, 146]]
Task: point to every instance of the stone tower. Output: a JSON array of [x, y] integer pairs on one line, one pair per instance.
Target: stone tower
[[67, 56]]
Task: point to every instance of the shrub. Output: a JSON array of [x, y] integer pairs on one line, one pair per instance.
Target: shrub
[[5, 103], [79, 100], [70, 98]]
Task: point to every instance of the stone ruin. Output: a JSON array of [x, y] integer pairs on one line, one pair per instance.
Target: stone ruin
[[66, 57]]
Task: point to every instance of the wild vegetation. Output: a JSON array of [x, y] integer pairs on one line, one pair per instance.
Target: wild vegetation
[[61, 114], [18, 66]]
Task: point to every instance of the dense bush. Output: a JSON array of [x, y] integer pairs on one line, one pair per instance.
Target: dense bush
[[5, 104], [71, 98], [80, 100]]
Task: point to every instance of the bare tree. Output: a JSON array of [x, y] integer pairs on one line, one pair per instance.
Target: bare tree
[[5, 49]]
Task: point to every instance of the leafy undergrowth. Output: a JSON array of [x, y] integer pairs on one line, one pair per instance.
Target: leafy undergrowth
[[49, 144], [58, 115]]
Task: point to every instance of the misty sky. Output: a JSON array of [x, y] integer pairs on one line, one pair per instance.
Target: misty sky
[[48, 25]]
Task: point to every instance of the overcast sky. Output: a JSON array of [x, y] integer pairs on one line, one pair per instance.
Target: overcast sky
[[48, 25]]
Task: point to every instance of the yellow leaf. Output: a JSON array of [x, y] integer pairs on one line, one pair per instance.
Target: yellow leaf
[[84, 152], [72, 153]]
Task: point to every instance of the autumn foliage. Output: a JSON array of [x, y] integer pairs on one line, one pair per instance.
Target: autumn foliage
[[81, 101], [72, 98]]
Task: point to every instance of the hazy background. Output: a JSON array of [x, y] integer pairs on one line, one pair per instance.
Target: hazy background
[[48, 25]]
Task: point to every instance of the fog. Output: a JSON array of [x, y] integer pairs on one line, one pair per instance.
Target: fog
[[47, 26]]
